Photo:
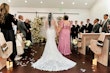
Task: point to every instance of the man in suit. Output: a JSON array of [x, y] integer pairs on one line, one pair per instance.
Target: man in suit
[[21, 26], [27, 24], [72, 29], [106, 24], [96, 26], [88, 26], [75, 30], [82, 27]]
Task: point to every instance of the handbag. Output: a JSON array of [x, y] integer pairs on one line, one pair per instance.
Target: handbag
[[4, 47]]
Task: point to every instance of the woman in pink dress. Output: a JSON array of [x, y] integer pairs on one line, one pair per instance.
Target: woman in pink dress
[[64, 36]]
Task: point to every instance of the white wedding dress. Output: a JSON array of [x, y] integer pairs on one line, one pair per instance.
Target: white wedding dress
[[52, 59]]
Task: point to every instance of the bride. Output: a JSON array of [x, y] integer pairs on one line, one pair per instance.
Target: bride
[[52, 59]]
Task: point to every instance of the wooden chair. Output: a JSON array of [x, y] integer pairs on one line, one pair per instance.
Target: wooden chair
[[95, 44], [4, 54], [101, 52]]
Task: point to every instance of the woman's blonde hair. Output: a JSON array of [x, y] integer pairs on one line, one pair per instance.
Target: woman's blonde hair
[[4, 10]]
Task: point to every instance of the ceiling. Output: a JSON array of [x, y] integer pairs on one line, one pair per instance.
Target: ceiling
[[78, 4]]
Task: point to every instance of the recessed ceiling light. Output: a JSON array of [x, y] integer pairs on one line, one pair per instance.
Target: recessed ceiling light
[[62, 2], [86, 3], [73, 3], [25, 1], [9, 1], [41, 2]]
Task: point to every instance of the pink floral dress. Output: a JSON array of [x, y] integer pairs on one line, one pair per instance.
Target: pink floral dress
[[64, 39]]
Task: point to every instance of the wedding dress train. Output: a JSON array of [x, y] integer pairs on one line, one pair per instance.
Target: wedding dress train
[[52, 59]]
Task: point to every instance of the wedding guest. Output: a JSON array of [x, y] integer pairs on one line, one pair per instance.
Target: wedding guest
[[21, 26], [64, 36], [75, 30], [28, 34], [96, 26], [19, 45], [106, 24], [100, 29], [82, 27], [6, 20], [72, 25], [88, 26]]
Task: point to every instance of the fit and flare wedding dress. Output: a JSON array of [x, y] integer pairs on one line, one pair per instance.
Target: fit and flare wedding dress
[[52, 59]]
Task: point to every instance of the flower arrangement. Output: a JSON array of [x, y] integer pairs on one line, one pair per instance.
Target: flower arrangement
[[35, 29], [75, 41]]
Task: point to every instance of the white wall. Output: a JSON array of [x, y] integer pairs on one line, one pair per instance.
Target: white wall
[[83, 13], [100, 8]]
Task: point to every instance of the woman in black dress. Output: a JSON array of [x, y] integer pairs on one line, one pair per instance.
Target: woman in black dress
[[6, 20]]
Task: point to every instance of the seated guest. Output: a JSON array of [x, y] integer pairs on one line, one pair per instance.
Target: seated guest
[[75, 30]]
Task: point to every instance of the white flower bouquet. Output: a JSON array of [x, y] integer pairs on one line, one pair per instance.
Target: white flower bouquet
[[74, 41]]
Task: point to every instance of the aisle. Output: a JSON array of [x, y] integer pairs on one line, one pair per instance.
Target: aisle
[[34, 53]]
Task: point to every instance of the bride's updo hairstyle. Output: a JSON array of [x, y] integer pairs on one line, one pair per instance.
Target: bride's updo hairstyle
[[49, 19]]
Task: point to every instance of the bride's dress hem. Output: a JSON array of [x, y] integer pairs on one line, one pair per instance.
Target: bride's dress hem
[[52, 59], [53, 69]]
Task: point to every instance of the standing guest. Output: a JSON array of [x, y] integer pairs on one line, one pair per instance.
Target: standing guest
[[64, 36], [6, 20], [96, 26], [105, 24], [88, 26], [21, 26], [28, 34], [72, 28], [75, 30], [81, 27], [100, 29], [52, 59]]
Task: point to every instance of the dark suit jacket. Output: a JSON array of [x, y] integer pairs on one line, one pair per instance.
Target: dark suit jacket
[[104, 26], [74, 31], [89, 28], [8, 32], [96, 28], [82, 28]]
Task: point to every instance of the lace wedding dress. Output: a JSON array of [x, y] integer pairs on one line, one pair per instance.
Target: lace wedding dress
[[52, 59]]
